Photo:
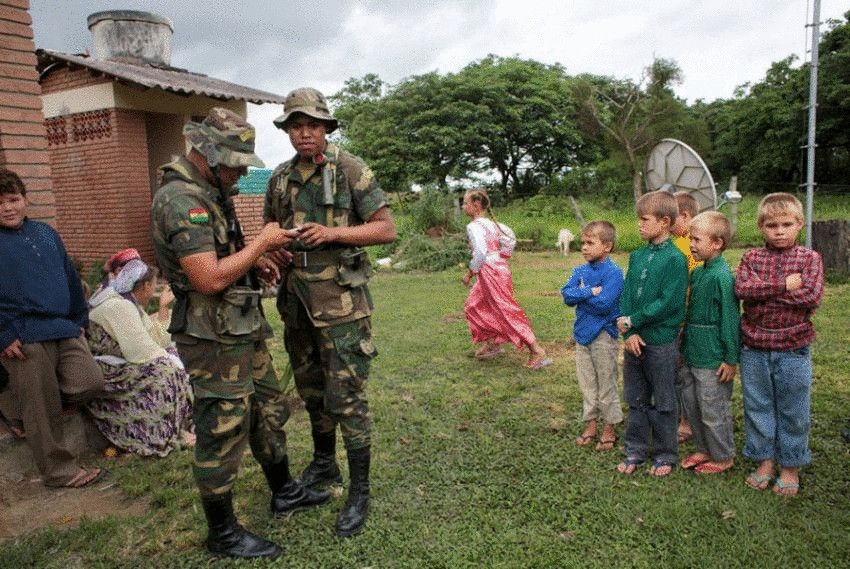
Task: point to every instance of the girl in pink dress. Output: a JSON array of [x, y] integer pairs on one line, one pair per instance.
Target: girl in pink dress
[[491, 310]]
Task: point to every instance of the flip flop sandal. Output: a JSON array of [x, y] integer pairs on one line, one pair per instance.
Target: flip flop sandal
[[84, 478], [584, 440], [490, 354], [780, 488], [710, 467], [658, 465], [691, 462], [606, 444], [761, 482], [631, 461], [539, 364]]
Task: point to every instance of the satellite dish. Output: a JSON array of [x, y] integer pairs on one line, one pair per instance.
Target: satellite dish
[[671, 162]]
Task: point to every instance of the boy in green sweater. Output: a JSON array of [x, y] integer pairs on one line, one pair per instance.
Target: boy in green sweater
[[653, 308], [711, 347]]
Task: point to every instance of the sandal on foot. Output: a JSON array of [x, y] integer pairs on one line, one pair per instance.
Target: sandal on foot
[[489, 354], [85, 478], [711, 467], [584, 439], [658, 465], [629, 461], [606, 444], [694, 460], [783, 489], [757, 481], [538, 363]]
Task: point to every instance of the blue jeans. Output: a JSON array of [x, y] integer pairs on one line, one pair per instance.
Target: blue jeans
[[649, 388], [777, 387]]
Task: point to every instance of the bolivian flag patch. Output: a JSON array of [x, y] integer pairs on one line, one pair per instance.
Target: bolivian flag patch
[[198, 215]]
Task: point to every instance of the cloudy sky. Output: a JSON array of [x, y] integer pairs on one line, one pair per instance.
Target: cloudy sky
[[279, 45]]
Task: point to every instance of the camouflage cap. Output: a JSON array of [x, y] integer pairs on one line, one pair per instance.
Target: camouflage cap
[[307, 101], [224, 137]]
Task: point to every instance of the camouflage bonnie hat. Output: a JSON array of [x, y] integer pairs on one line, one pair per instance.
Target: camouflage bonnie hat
[[307, 101], [224, 137]]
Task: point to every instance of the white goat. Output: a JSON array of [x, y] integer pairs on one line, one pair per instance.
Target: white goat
[[565, 237]]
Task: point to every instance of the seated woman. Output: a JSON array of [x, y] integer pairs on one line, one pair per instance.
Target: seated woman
[[146, 407]]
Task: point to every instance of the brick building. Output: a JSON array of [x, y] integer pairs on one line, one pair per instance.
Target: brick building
[[23, 145], [112, 118]]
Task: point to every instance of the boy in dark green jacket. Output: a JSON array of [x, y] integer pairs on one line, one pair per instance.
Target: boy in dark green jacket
[[711, 347], [653, 308]]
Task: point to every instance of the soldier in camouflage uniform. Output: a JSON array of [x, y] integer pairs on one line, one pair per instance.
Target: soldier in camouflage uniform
[[219, 327], [333, 200]]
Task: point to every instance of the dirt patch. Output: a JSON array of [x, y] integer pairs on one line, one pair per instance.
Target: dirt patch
[[28, 505]]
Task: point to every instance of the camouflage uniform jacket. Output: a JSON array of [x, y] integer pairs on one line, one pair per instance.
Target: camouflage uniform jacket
[[187, 218], [292, 199]]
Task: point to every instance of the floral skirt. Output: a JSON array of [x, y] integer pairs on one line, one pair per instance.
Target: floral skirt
[[144, 408], [492, 311]]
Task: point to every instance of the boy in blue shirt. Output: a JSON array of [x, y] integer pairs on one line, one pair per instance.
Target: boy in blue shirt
[[594, 289], [42, 315], [653, 308]]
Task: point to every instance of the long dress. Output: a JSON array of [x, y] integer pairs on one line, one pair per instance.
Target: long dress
[[491, 310], [146, 404]]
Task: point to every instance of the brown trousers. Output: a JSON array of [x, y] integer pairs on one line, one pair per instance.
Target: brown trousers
[[52, 369]]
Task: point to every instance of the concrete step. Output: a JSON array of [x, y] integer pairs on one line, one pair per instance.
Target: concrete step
[[81, 437]]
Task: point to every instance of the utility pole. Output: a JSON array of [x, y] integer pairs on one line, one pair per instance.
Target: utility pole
[[813, 100]]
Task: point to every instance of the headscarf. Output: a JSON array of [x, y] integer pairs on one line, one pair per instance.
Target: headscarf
[[119, 259], [123, 283]]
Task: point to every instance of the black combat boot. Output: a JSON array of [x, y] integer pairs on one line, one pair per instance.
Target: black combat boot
[[287, 494], [227, 537], [323, 469], [353, 515]]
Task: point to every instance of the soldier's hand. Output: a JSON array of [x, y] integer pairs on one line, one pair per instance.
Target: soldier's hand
[[267, 270], [315, 234], [273, 237], [280, 257]]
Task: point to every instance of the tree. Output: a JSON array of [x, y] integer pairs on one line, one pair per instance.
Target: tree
[[633, 116]]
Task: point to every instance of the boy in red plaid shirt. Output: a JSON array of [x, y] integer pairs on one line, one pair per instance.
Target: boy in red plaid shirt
[[781, 285]]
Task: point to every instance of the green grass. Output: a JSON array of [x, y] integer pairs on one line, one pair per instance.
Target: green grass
[[475, 465]]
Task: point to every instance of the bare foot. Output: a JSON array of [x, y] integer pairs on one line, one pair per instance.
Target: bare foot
[[661, 469], [684, 431]]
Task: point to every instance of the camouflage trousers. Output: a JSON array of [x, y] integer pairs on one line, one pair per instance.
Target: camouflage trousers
[[331, 368], [237, 402]]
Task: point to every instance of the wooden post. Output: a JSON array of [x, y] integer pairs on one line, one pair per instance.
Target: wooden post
[[832, 240]]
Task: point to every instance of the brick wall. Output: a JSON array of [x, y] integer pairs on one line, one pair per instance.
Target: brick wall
[[99, 161], [63, 79], [249, 210], [23, 146]]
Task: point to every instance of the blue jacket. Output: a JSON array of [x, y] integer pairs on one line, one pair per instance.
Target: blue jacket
[[594, 313], [41, 295]]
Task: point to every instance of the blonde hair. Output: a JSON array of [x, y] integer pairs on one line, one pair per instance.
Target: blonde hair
[[480, 195], [715, 225], [778, 203], [687, 203], [660, 204], [604, 230]]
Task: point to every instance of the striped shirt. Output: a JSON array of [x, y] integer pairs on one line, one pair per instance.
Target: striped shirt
[[775, 318]]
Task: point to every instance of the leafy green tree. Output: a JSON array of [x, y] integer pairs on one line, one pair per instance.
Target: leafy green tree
[[631, 117]]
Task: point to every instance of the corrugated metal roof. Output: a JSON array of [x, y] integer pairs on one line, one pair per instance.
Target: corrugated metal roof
[[255, 181], [171, 79]]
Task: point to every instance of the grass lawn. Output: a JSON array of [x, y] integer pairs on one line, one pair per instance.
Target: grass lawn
[[475, 465]]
